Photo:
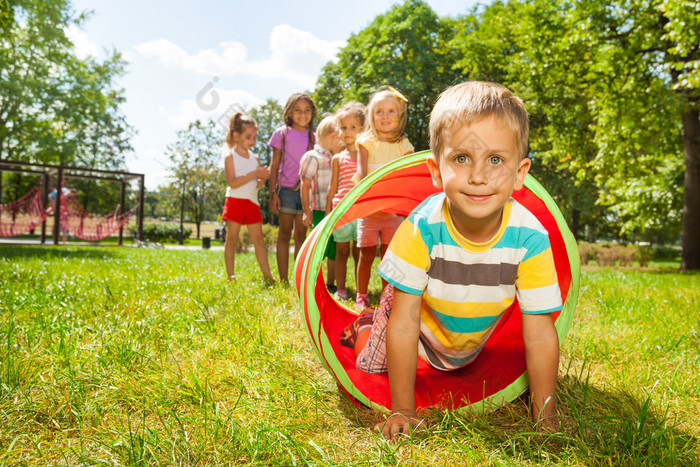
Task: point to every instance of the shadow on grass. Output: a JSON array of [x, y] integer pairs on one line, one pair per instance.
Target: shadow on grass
[[598, 426], [49, 252]]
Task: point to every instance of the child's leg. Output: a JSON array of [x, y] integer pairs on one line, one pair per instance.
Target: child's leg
[[232, 229], [283, 237], [364, 268], [342, 251], [256, 236], [299, 235], [370, 347]]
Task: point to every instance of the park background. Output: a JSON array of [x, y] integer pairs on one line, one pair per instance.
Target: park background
[[144, 356]]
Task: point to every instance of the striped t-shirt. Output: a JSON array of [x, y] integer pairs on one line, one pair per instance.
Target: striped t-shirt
[[468, 286], [347, 166]]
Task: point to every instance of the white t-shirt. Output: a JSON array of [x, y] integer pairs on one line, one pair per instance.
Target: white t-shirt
[[243, 166]]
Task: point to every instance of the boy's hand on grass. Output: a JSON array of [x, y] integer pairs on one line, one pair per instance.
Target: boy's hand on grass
[[399, 424]]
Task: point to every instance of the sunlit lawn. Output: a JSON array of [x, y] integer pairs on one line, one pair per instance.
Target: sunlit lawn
[[144, 356]]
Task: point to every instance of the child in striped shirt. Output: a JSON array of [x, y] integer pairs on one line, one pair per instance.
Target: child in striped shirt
[[463, 256], [351, 122]]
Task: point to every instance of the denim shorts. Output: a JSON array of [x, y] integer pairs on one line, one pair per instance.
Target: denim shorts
[[290, 201]]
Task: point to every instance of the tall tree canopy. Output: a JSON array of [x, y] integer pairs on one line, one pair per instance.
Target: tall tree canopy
[[196, 171], [406, 48], [613, 89], [56, 107]]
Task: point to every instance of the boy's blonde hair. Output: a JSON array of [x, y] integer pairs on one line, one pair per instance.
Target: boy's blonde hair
[[353, 109], [328, 125], [388, 92], [471, 102]]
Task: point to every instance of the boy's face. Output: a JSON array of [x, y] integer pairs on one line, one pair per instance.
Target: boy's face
[[479, 168], [332, 143]]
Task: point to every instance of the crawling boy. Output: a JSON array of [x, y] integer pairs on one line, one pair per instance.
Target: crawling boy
[[463, 256]]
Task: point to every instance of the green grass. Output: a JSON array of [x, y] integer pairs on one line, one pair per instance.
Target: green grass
[[138, 357]]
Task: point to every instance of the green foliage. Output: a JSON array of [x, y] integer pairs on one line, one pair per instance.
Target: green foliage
[[198, 181], [270, 233], [269, 118], [54, 106], [407, 48], [161, 232], [608, 99]]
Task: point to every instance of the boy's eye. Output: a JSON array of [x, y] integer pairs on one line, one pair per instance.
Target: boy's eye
[[461, 159], [495, 160]]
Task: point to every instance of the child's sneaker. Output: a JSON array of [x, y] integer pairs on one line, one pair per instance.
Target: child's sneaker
[[341, 294], [361, 302]]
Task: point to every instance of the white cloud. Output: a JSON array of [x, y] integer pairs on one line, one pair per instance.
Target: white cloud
[[214, 104], [83, 46], [296, 55]]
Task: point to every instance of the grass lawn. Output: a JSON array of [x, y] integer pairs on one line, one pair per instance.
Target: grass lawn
[[141, 356]]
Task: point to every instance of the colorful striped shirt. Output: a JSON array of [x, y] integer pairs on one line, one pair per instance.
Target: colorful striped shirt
[[468, 286]]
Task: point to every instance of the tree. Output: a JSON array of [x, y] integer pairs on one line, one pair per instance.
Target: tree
[[406, 48], [269, 118], [196, 171], [613, 93], [54, 106]]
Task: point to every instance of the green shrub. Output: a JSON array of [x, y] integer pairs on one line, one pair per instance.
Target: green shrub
[[270, 233], [161, 232]]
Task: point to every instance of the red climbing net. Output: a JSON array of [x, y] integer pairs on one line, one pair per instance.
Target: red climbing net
[[81, 224], [21, 216]]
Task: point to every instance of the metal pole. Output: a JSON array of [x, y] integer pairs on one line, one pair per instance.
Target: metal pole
[[57, 208], [122, 199], [142, 187]]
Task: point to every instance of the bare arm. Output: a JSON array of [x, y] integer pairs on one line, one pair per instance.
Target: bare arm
[[235, 181], [542, 358], [308, 217], [362, 162], [274, 167], [402, 336], [333, 187], [263, 174]]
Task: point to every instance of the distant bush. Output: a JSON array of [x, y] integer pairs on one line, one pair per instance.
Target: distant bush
[[161, 232], [614, 254], [270, 233]]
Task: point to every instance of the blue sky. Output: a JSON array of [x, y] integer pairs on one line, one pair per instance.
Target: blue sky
[[189, 60]]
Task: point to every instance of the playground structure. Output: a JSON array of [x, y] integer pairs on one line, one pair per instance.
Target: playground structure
[[24, 214], [498, 375]]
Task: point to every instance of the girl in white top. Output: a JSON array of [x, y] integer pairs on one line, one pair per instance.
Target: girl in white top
[[244, 177]]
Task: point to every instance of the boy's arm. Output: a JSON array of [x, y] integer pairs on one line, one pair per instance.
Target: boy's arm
[[333, 187], [402, 336], [542, 359], [308, 217]]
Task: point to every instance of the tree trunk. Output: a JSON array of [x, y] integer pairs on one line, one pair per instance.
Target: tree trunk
[[690, 255]]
